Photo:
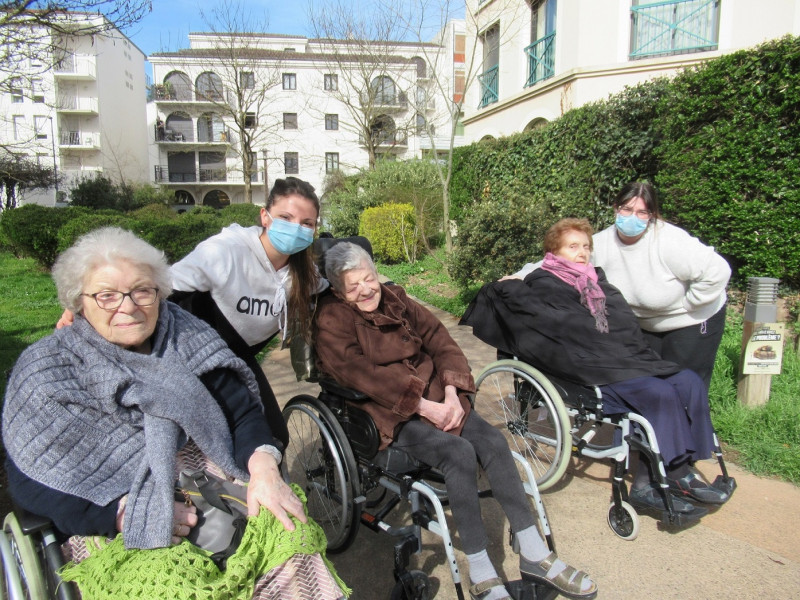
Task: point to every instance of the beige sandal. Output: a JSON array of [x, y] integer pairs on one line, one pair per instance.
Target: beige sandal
[[482, 589], [568, 582]]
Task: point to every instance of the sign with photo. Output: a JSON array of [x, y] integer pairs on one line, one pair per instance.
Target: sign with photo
[[764, 350]]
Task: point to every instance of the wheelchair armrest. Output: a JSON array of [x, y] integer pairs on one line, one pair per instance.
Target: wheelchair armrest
[[30, 522], [329, 385]]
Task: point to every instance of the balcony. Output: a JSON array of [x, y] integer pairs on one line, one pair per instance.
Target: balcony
[[385, 101], [164, 175], [80, 67], [387, 140], [77, 105], [78, 140], [489, 80], [674, 27], [166, 136], [184, 96], [541, 59]]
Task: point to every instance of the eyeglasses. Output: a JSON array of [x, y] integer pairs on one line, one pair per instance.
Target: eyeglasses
[[112, 299], [627, 211]]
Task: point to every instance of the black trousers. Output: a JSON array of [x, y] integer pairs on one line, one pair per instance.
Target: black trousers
[[692, 347]]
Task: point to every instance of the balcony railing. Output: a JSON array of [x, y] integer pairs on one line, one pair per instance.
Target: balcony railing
[[398, 100], [77, 104], [79, 139], [489, 81], [164, 174], [674, 27], [72, 65], [541, 59], [218, 174], [387, 138]]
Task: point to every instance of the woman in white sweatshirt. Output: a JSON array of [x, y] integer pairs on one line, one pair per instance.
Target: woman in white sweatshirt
[[674, 283]]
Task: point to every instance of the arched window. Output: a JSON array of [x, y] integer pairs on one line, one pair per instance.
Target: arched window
[[383, 130], [177, 86], [422, 66], [536, 123], [210, 128], [183, 198], [178, 128], [216, 199], [208, 87], [383, 90]]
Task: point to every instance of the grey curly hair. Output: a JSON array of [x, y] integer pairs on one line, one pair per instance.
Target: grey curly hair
[[343, 257], [106, 246]]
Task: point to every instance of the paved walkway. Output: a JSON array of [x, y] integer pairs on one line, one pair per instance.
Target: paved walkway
[[750, 548]]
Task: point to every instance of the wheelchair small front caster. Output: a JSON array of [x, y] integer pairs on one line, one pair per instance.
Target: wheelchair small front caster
[[623, 521], [412, 585], [525, 590]]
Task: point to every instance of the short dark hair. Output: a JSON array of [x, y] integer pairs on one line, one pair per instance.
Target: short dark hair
[[638, 189], [554, 235]]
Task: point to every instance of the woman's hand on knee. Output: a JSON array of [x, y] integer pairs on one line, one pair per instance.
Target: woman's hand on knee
[[267, 488], [183, 519]]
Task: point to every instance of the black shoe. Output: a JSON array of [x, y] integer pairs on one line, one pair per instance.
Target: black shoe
[[648, 497], [691, 486]]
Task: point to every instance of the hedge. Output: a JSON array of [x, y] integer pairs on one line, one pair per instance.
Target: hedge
[[720, 141], [392, 230]]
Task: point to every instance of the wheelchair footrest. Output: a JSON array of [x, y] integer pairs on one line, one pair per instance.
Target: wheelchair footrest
[[725, 484], [525, 590]]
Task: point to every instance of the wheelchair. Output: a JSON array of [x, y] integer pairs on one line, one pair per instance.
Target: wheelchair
[[31, 557], [548, 419], [333, 455]]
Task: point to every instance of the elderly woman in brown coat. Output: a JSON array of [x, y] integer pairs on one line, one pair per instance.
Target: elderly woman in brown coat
[[375, 339]]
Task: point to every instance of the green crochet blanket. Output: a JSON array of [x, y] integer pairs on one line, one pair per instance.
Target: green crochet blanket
[[185, 571]]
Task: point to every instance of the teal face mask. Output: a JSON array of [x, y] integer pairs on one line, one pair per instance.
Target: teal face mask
[[289, 238], [630, 226]]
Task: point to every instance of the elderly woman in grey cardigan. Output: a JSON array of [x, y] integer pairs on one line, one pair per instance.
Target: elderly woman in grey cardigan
[[99, 415]]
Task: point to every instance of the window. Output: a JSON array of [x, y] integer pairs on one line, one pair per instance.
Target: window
[[16, 90], [459, 48], [250, 120], [41, 127], [290, 120], [290, 81], [673, 27], [421, 129], [291, 163], [541, 52], [331, 82], [383, 91], [331, 162], [36, 91], [247, 80], [19, 127], [489, 79], [331, 122]]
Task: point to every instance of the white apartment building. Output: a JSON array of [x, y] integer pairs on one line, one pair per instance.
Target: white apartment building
[[541, 58], [305, 107], [80, 110]]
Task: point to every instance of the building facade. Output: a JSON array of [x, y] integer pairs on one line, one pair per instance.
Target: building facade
[[79, 106], [234, 112], [541, 58]]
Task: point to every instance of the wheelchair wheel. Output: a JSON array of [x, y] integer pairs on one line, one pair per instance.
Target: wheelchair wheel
[[25, 561], [319, 459], [418, 583], [623, 521], [521, 401]]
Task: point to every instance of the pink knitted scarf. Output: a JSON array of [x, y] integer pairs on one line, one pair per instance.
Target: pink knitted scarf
[[584, 279]]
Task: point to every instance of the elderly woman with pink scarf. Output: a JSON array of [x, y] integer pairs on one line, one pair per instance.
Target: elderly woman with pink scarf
[[566, 319]]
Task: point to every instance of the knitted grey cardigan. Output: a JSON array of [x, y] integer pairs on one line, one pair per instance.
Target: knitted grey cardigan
[[92, 419]]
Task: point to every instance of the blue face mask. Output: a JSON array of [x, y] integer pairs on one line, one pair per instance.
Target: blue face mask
[[630, 226], [289, 238]]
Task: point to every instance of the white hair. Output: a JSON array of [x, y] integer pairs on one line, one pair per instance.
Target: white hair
[[106, 246], [343, 257]]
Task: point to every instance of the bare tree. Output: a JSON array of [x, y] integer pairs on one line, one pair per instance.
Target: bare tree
[[361, 50], [448, 80], [17, 173]]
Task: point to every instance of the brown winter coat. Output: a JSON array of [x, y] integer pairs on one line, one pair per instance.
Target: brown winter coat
[[396, 355]]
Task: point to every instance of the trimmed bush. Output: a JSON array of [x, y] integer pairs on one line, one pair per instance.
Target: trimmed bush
[[392, 231], [32, 230], [70, 231]]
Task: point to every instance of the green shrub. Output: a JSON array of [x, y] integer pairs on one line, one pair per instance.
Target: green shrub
[[730, 157], [31, 230], [153, 213], [146, 194], [96, 192], [392, 231], [243, 214], [179, 237], [497, 238], [70, 231]]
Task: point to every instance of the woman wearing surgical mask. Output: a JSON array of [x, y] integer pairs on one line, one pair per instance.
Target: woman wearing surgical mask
[[252, 282], [674, 283], [249, 283]]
